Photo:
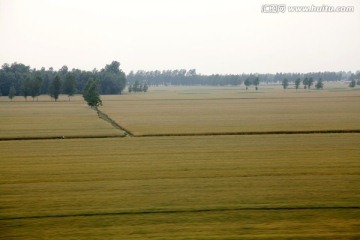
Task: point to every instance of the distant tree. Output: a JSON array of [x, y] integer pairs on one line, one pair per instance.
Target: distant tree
[[12, 92], [0, 93], [285, 83], [25, 87], [91, 94], [256, 83], [297, 83], [358, 82], [112, 79], [247, 83], [319, 84], [69, 85], [305, 82], [35, 86], [310, 83], [55, 88], [137, 86], [114, 67], [352, 84], [145, 87]]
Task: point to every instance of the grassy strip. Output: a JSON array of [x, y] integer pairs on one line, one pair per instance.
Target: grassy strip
[[113, 123]]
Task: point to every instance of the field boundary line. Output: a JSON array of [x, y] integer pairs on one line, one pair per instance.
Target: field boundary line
[[224, 98], [128, 133], [300, 208], [58, 137], [248, 133]]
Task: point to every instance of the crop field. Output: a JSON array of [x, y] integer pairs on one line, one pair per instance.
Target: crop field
[[50, 119], [271, 186], [223, 187], [209, 110]]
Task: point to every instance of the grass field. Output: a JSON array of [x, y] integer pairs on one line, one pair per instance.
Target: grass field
[[210, 110], [223, 187], [300, 186], [50, 119]]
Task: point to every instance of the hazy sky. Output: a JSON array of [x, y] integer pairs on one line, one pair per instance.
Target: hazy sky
[[213, 36]]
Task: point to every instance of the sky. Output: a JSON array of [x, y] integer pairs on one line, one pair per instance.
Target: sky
[[212, 36]]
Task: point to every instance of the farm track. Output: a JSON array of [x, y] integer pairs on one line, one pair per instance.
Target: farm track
[[289, 208]]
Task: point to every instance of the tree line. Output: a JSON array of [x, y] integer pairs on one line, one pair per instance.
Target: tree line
[[307, 83], [191, 77], [20, 80]]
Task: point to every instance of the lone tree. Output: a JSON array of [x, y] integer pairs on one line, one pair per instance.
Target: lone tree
[[247, 83], [319, 84], [91, 94], [55, 88], [297, 83], [285, 83], [12, 92], [352, 84]]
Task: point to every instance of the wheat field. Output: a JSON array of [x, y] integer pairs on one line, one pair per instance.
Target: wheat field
[[199, 187], [210, 110], [20, 119], [273, 186]]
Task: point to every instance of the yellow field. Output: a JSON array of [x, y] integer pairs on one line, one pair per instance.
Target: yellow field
[[51, 119], [226, 110], [224, 187], [299, 186]]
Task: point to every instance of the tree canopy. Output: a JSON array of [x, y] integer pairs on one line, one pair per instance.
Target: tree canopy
[[191, 77], [55, 88], [26, 81], [91, 94]]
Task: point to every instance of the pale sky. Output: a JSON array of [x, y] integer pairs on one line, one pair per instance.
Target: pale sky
[[212, 36]]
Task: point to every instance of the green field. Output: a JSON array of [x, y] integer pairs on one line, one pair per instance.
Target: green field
[[298, 186]]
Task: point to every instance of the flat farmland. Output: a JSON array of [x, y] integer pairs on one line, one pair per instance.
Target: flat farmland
[[209, 187], [20, 119], [273, 186], [214, 110]]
